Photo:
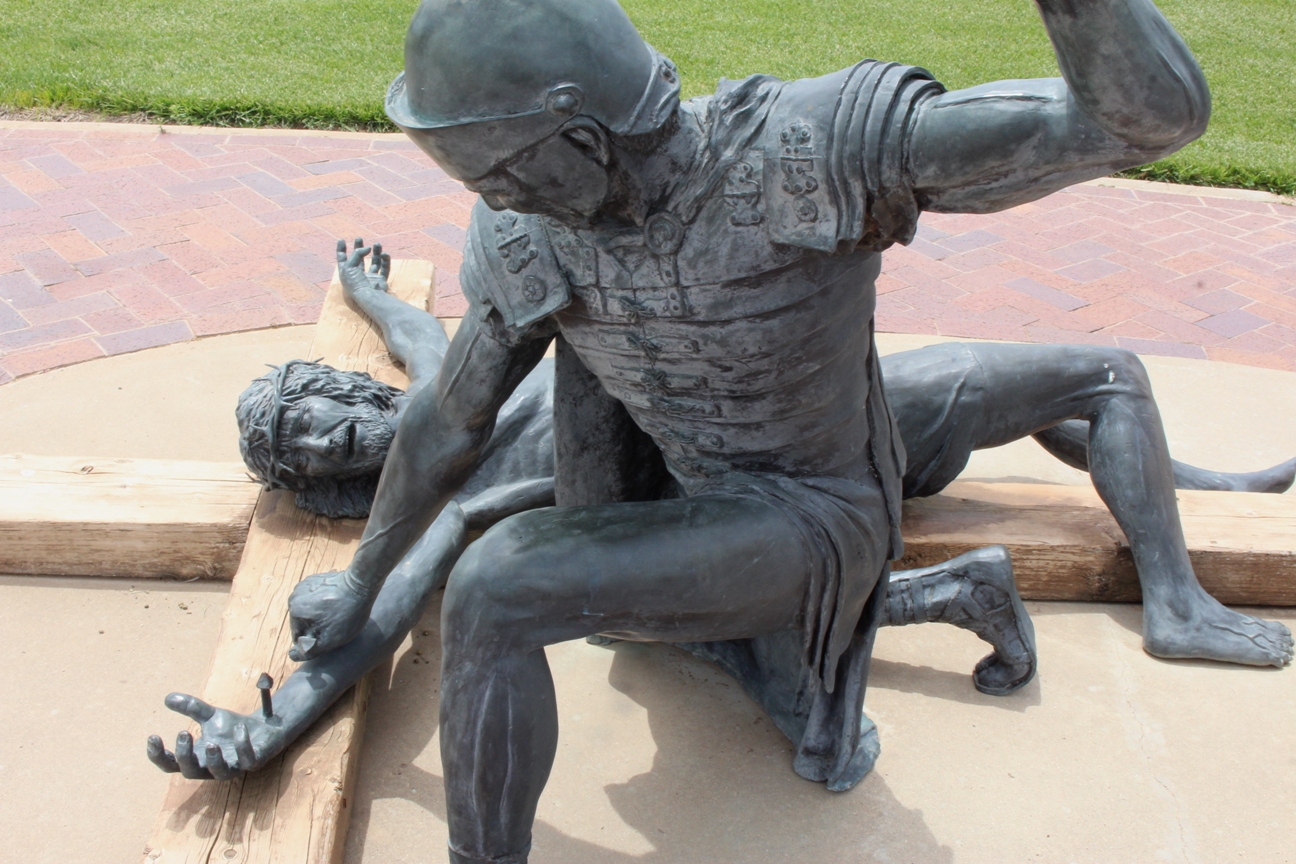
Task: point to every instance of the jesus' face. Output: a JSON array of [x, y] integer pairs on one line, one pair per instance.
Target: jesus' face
[[320, 437]]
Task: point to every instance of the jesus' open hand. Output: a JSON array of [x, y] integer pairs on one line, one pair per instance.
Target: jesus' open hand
[[351, 268], [230, 743]]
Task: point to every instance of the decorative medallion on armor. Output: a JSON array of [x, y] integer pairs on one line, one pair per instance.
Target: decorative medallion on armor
[[663, 233], [742, 192], [797, 159], [663, 236], [510, 267], [514, 243], [534, 289]]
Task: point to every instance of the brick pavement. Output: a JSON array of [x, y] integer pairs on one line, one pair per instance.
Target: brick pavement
[[1157, 269], [115, 238]]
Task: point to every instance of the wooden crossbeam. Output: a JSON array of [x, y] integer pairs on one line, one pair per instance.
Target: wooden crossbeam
[[133, 518], [296, 809], [1065, 545], [138, 518]]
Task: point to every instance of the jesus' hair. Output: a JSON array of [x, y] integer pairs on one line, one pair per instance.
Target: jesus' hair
[[260, 410]]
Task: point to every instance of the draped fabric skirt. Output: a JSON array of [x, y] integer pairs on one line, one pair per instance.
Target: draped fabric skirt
[[811, 680]]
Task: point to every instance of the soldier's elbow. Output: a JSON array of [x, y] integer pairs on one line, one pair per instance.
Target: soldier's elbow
[[1191, 111], [1172, 118]]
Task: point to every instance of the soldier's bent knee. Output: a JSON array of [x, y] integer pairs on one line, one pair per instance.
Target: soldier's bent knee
[[477, 597]]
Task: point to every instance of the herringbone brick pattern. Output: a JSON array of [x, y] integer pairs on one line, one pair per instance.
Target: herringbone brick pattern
[[1188, 273], [115, 238]]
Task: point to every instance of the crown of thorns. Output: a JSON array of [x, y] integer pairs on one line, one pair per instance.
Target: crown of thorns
[[261, 411], [268, 432]]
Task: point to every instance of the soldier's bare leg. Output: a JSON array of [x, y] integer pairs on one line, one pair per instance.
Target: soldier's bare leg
[[1069, 443], [711, 567], [975, 592], [1029, 388]]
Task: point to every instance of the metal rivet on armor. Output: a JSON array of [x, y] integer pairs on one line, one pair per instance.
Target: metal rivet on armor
[[565, 101], [534, 289]]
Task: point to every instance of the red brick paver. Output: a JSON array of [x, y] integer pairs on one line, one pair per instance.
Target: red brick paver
[[115, 238], [1188, 273]]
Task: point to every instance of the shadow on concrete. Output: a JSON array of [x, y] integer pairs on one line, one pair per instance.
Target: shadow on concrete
[[950, 686], [721, 786], [1013, 479]]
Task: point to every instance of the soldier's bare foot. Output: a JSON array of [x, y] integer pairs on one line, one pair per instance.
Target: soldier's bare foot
[[1211, 631]]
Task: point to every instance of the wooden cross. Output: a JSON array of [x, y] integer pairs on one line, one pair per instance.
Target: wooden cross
[[296, 809]]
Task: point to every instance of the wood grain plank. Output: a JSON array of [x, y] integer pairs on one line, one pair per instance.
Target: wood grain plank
[[1065, 544], [296, 809], [132, 518]]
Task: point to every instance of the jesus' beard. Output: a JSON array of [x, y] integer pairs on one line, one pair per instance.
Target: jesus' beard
[[375, 442]]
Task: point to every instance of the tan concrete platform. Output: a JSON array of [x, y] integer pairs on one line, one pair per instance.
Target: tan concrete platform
[[1109, 756]]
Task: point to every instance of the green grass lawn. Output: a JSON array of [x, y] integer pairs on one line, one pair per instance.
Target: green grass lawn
[[327, 63]]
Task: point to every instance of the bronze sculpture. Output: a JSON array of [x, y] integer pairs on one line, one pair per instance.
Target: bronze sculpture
[[331, 467], [709, 267]]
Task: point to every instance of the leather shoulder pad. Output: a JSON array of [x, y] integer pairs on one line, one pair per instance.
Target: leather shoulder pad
[[797, 140], [510, 266]]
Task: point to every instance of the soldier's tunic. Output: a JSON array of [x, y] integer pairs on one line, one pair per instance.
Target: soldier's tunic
[[736, 328]]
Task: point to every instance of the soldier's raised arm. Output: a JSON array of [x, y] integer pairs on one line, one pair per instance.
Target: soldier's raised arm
[[437, 446], [1130, 93]]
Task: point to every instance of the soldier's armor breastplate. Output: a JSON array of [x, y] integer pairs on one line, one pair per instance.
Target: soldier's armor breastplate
[[766, 372], [735, 328]]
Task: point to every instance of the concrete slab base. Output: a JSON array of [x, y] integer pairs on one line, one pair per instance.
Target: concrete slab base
[[86, 665], [175, 402], [1109, 755]]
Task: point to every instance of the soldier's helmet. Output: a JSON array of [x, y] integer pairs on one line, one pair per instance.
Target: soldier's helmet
[[485, 79]]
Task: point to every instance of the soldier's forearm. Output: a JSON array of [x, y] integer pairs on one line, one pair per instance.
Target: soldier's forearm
[[429, 462], [316, 684], [442, 434], [1128, 70]]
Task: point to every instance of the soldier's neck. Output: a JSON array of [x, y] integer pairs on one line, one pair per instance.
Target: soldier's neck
[[652, 176]]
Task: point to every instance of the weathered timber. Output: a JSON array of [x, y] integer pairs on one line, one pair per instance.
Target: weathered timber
[[296, 809], [1065, 545], [133, 518]]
